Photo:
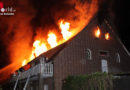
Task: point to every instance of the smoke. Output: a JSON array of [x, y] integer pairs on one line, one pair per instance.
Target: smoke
[[16, 36], [34, 19]]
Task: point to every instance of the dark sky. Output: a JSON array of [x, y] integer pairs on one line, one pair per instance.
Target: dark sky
[[120, 10]]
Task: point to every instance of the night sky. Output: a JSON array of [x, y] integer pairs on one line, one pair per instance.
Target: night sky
[[120, 11], [122, 21]]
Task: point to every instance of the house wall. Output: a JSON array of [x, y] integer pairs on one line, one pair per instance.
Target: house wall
[[40, 83], [71, 60]]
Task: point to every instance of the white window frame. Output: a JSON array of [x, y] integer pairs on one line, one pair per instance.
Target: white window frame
[[118, 57], [89, 54]]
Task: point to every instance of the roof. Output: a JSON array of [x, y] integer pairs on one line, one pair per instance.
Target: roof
[[51, 53], [54, 51], [48, 55]]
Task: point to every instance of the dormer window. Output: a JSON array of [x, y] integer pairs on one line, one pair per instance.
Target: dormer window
[[88, 54]]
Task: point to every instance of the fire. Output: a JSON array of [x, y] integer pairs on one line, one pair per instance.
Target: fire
[[40, 47], [68, 30], [97, 33], [52, 40], [24, 62], [70, 23], [65, 26], [107, 36]]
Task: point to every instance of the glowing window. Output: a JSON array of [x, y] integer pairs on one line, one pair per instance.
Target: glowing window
[[107, 36], [97, 32], [88, 54]]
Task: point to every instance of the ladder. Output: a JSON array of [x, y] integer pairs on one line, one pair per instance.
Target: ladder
[[25, 86], [16, 82], [28, 78]]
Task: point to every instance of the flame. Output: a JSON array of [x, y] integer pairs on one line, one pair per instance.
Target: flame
[[24, 62], [97, 32], [107, 36], [65, 26], [40, 47], [52, 40]]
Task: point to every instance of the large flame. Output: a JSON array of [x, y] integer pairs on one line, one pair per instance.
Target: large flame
[[40, 47], [65, 26], [52, 40]]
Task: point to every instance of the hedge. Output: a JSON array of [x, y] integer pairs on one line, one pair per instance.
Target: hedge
[[94, 81]]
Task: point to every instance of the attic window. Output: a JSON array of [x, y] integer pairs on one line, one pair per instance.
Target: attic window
[[118, 57], [103, 53], [97, 32], [88, 54], [107, 36]]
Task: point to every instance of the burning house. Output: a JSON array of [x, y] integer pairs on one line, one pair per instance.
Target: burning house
[[72, 42], [96, 48]]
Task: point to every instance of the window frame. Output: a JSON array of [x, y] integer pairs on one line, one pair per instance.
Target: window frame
[[105, 52], [118, 58], [88, 54]]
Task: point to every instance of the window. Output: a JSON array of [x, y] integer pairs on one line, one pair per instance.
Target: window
[[107, 36], [103, 53], [31, 87], [88, 54], [45, 87], [97, 32], [104, 65], [118, 57]]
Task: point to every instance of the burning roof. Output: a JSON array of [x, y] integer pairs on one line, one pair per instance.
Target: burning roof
[[39, 26]]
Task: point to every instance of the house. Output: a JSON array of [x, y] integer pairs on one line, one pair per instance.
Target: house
[[96, 48]]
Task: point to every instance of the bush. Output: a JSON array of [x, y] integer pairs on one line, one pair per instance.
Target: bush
[[95, 81]]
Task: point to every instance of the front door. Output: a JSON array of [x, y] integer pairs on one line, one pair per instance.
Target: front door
[[104, 65]]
